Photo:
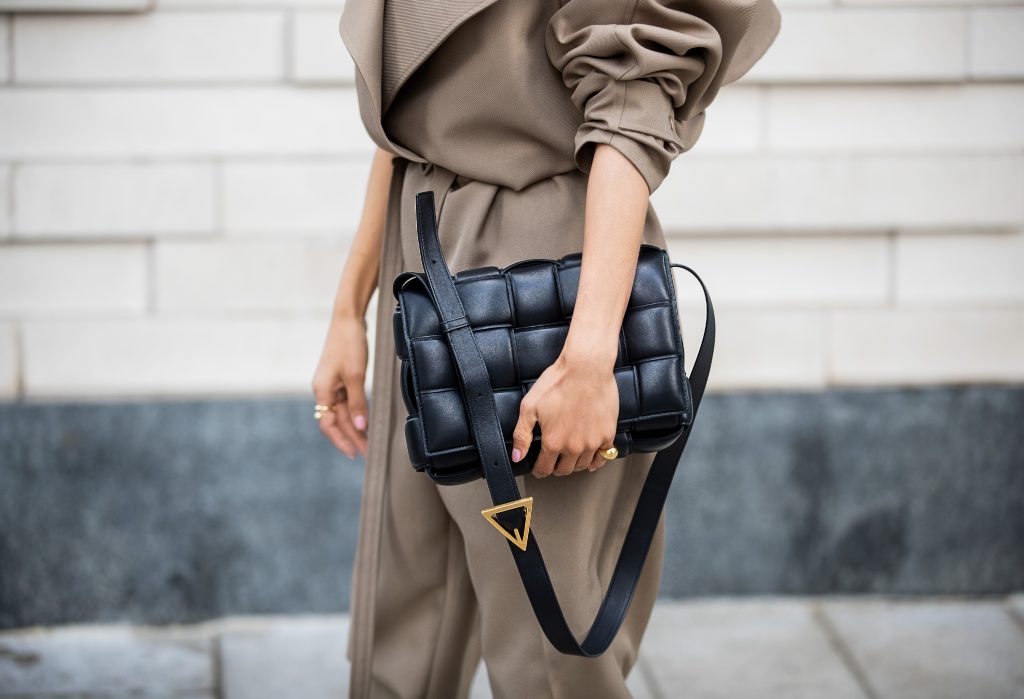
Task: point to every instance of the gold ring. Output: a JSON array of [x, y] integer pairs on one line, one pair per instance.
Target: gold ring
[[609, 453], [319, 410]]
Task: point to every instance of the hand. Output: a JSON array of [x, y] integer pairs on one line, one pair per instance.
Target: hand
[[339, 378], [576, 402]]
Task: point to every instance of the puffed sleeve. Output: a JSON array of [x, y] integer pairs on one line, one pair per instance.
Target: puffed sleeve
[[642, 72]]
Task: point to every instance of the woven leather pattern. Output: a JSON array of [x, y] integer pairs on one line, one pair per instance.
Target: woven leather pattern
[[520, 318]]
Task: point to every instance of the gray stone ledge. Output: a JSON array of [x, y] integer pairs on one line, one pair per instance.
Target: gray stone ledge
[[179, 511]]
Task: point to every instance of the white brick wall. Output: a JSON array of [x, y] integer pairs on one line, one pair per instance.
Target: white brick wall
[[262, 198], [952, 118], [163, 46], [72, 280], [970, 269], [9, 365], [764, 348], [246, 276], [170, 355], [734, 122], [868, 44], [5, 48], [317, 54], [785, 192], [238, 122], [927, 345], [995, 43], [174, 214], [96, 199], [5, 201], [75, 5], [335, 5], [789, 271]]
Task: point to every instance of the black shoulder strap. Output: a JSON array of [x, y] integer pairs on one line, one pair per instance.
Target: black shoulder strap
[[498, 471]]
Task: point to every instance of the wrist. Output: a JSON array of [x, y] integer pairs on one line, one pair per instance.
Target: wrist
[[600, 351], [349, 310], [355, 289]]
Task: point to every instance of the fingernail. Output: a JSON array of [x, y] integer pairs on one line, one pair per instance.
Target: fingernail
[[516, 454], [360, 422]]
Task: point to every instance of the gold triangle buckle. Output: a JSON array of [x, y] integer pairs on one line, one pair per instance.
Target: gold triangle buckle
[[517, 538]]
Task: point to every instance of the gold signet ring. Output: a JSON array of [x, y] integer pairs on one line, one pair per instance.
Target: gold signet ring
[[609, 453]]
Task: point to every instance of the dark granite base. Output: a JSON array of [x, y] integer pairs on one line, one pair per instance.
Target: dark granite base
[[164, 512]]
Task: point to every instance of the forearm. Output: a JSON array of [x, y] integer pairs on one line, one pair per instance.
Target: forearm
[[617, 200], [362, 267]]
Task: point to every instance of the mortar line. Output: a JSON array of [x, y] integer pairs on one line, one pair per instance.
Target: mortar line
[[846, 656], [892, 274], [219, 166], [287, 47], [969, 18], [12, 200], [152, 282], [11, 67]]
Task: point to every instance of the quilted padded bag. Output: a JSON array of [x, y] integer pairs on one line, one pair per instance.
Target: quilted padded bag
[[520, 318], [471, 345]]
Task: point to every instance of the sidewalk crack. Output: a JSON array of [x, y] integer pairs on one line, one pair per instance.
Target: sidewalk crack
[[1015, 614], [217, 658], [847, 657]]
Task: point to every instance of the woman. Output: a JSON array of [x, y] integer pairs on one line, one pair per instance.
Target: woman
[[542, 128]]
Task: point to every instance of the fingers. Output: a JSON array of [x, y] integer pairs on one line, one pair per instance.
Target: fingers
[[330, 426], [598, 460], [567, 458], [563, 461], [586, 459], [357, 404], [347, 427], [562, 451], [546, 460], [522, 435], [352, 406], [566, 463], [330, 429]]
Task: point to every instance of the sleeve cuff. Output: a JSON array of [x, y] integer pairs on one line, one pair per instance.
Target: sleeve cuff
[[637, 118]]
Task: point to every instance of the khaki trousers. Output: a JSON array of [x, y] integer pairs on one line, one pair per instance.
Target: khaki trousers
[[448, 590], [435, 588]]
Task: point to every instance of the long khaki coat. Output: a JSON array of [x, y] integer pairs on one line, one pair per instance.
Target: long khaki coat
[[497, 108]]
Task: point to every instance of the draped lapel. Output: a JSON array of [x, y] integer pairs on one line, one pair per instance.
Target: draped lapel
[[362, 29]]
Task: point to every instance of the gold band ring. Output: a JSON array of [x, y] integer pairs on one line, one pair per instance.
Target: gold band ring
[[609, 453], [319, 410]]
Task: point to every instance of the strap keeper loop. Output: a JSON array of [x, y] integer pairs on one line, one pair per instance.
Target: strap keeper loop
[[454, 324]]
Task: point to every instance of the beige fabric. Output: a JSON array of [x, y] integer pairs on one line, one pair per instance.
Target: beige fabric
[[498, 105]]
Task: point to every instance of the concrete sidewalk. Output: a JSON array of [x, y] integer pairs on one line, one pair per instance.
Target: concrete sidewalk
[[728, 648]]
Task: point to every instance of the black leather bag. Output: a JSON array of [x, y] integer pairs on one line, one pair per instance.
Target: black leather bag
[[472, 345]]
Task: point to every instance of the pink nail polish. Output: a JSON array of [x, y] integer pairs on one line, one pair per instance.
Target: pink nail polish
[[516, 454], [360, 421]]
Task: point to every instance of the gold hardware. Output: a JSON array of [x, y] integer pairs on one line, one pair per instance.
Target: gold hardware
[[609, 453], [517, 539]]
